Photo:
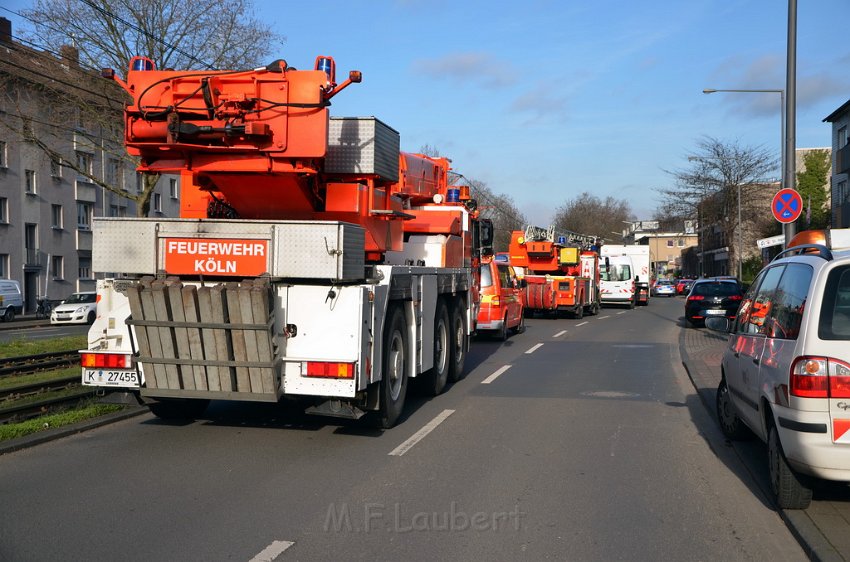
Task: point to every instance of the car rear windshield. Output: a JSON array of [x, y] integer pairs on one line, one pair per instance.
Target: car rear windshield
[[835, 313], [617, 273], [716, 289], [486, 277], [80, 298]]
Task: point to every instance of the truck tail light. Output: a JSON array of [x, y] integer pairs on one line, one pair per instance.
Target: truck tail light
[[106, 360], [329, 370]]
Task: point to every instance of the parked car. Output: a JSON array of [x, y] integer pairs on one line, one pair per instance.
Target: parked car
[[502, 306], [11, 299], [664, 288], [786, 368], [684, 286], [712, 297], [79, 308]]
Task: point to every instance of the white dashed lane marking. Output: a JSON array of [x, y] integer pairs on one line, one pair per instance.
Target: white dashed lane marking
[[534, 348], [495, 375], [271, 552], [419, 435]]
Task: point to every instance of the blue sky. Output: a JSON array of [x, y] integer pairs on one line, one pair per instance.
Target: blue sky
[[543, 100]]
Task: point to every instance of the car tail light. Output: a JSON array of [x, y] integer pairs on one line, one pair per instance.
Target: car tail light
[[696, 298], [490, 299], [736, 298], [839, 378], [329, 370], [106, 360], [820, 377]]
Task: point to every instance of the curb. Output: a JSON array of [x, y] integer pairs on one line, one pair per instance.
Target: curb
[[51, 434]]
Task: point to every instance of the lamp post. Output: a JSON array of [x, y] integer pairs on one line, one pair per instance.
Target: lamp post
[[785, 180]]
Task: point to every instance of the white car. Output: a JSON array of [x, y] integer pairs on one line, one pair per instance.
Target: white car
[[79, 308], [786, 367]]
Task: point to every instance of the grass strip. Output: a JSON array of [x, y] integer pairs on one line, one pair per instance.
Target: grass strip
[[21, 347], [60, 419]]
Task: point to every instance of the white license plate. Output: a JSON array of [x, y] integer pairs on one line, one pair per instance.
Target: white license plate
[[715, 312], [114, 377]]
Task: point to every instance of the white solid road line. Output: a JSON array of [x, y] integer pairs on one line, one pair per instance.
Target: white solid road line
[[581, 324], [419, 435], [534, 348], [272, 551], [495, 375], [561, 333], [602, 317]]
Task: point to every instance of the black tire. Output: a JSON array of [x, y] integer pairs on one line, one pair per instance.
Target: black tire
[[788, 487], [90, 318], [434, 381], [9, 315], [578, 313], [178, 408], [459, 345], [394, 368], [502, 334], [519, 328], [631, 304], [730, 424]]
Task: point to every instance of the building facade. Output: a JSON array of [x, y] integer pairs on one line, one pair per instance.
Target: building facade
[[46, 209], [840, 120]]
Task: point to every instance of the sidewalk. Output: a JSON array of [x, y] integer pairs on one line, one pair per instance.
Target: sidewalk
[[823, 529]]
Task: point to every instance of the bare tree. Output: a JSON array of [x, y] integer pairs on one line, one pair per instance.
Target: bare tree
[[707, 191], [588, 214], [502, 210], [84, 109], [200, 34]]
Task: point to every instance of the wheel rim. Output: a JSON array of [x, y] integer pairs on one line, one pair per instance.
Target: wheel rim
[[441, 346], [458, 339], [396, 365], [724, 414]]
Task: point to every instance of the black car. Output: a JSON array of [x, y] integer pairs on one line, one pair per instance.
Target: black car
[[712, 297]]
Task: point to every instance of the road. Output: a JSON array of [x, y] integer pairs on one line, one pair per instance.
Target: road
[[576, 440]]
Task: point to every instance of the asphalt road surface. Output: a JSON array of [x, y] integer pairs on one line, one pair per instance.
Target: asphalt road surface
[[576, 440]]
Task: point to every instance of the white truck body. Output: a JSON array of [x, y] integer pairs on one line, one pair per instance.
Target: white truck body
[[641, 258], [261, 337], [617, 280]]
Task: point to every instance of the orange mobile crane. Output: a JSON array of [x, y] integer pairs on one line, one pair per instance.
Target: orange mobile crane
[[311, 258], [561, 270]]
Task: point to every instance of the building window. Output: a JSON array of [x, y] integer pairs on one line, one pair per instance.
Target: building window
[[85, 268], [57, 266], [4, 210], [56, 216], [84, 211], [29, 178], [55, 169], [140, 182], [114, 175], [113, 210], [4, 266], [84, 162], [842, 137], [172, 188], [157, 202], [843, 195], [3, 163], [669, 243], [680, 243]]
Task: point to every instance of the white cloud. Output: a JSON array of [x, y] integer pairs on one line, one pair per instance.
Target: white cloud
[[469, 68]]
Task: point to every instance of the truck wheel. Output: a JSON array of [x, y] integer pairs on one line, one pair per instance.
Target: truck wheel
[[9, 315], [178, 408], [787, 486], [394, 372], [434, 381], [578, 313], [502, 334], [631, 304], [458, 348]]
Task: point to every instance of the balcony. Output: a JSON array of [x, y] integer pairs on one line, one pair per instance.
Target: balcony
[[85, 191], [842, 160], [84, 238]]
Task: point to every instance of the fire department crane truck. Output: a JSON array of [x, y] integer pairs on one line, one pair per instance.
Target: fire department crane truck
[[311, 258], [561, 270]]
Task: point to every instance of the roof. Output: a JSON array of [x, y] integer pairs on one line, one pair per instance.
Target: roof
[[832, 117]]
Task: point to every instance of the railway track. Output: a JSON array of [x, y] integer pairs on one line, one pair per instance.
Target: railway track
[[19, 402]]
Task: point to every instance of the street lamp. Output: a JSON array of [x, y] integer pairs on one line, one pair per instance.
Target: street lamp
[[785, 180]]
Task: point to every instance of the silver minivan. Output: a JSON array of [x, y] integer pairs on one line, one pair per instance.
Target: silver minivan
[[786, 366], [11, 299]]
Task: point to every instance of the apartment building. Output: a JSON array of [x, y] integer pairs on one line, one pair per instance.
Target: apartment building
[[840, 120], [46, 208]]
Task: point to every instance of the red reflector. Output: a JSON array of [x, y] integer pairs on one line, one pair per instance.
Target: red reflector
[[330, 370]]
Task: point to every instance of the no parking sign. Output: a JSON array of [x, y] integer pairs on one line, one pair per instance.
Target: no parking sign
[[787, 205]]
